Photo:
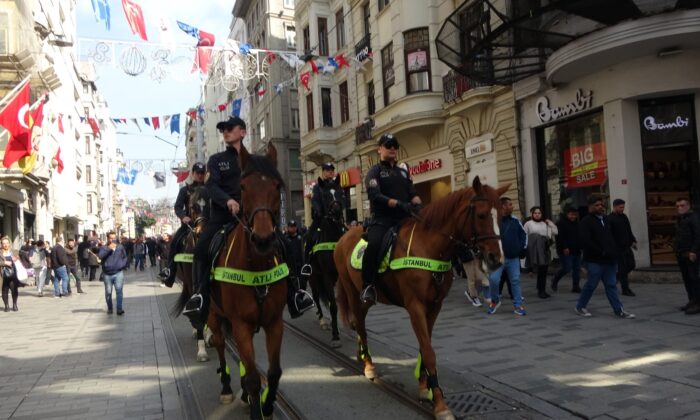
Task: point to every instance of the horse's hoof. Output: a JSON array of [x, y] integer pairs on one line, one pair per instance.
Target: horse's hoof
[[335, 343], [194, 333], [370, 373], [324, 324], [226, 398], [207, 337], [444, 415], [202, 355], [424, 394]]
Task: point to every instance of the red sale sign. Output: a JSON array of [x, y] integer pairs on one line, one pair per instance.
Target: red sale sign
[[585, 166]]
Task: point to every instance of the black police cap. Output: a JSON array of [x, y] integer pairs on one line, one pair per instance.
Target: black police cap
[[199, 167], [386, 138], [231, 123], [328, 165]]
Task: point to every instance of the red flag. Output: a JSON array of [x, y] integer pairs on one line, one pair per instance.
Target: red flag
[[314, 68], [261, 91], [341, 61], [60, 123], [181, 176], [37, 116], [94, 126], [222, 107], [58, 160], [134, 16], [206, 39], [156, 122], [123, 120], [304, 78], [14, 118], [202, 57]]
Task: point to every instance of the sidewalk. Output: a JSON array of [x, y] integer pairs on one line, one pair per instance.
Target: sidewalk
[[67, 358]]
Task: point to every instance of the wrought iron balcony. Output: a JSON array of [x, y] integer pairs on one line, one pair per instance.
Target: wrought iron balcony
[[363, 49], [454, 85], [363, 132]]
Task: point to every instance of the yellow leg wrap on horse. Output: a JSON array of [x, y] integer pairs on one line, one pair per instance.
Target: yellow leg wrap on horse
[[241, 369], [263, 397]]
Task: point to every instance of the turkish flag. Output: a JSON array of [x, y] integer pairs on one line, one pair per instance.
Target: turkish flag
[[14, 119], [156, 122], [95, 127], [59, 161], [181, 176], [203, 55], [134, 16]]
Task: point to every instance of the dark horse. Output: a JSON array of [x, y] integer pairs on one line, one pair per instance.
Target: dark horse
[[464, 216], [250, 287], [324, 273], [183, 261]]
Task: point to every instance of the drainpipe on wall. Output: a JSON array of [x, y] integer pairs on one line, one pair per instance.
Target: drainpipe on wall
[[517, 155]]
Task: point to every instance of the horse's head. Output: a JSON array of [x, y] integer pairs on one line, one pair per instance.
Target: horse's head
[[332, 198], [481, 229], [260, 195], [198, 207]]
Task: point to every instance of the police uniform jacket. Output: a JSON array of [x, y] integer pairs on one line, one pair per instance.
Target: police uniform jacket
[[317, 208], [384, 182], [182, 208], [224, 183]]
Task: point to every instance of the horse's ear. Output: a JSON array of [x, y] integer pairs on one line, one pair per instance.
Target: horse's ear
[[502, 190], [476, 185], [245, 156], [272, 153]]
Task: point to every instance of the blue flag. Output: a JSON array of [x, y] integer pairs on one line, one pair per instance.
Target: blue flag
[[101, 10], [189, 30], [147, 120], [175, 124], [236, 107]]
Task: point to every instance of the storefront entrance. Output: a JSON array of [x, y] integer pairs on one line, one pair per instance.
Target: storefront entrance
[[434, 189], [670, 168]]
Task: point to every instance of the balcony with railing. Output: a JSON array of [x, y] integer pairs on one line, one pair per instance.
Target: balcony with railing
[[363, 132], [454, 85]]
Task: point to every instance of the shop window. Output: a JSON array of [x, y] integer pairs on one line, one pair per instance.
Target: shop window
[[340, 29], [326, 107], [387, 71], [370, 98], [344, 102], [322, 37], [309, 112], [417, 57], [573, 164]]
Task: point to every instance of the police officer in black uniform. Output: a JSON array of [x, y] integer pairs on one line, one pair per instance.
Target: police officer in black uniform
[[392, 197], [182, 211], [318, 211], [298, 299], [224, 188]]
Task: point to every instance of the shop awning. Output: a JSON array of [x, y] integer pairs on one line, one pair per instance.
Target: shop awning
[[503, 46]]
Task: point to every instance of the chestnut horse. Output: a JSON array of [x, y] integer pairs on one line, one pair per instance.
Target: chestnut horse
[[183, 261], [249, 289], [324, 273], [467, 216]]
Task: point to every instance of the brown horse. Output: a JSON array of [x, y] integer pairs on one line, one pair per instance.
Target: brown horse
[[464, 216], [253, 246], [183, 261]]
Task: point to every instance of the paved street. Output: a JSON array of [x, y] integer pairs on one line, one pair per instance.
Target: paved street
[[66, 358]]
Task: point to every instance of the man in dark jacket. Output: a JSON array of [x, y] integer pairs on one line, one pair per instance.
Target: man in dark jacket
[[114, 262], [600, 257], [59, 262], [295, 256], [72, 254], [568, 249], [151, 245], [687, 248], [514, 243], [391, 197], [625, 241]]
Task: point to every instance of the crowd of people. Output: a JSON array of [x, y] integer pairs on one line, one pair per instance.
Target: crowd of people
[[39, 263]]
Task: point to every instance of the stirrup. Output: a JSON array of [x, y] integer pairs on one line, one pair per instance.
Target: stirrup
[[164, 274], [306, 270], [194, 305], [369, 295], [303, 301]]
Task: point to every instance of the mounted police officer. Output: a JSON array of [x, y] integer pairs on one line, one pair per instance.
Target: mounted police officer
[[298, 299], [182, 211], [224, 189], [327, 181], [392, 197]]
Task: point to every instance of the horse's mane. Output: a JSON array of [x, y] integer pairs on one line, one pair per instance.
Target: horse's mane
[[436, 213], [263, 165]]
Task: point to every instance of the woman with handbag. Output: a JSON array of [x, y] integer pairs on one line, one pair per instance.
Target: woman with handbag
[[540, 237], [9, 275]]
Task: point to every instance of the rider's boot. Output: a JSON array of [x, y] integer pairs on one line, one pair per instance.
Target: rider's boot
[[195, 307], [298, 300]]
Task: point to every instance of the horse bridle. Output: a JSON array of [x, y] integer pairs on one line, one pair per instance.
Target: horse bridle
[[473, 243]]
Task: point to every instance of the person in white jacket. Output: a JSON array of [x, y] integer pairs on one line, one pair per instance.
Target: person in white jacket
[[540, 235]]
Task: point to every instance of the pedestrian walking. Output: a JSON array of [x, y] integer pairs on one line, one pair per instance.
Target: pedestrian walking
[[514, 243], [39, 261], [10, 283], [163, 251], [151, 245], [93, 260], [72, 254], [687, 247], [568, 249], [59, 262], [600, 257], [83, 246], [540, 237], [477, 279], [114, 262], [625, 242], [139, 255]]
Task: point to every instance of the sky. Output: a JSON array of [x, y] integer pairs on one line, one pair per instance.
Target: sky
[[141, 96]]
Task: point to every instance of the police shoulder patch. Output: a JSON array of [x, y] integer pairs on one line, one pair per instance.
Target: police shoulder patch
[[373, 182]]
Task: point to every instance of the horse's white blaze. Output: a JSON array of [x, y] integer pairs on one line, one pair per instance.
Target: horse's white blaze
[[497, 230]]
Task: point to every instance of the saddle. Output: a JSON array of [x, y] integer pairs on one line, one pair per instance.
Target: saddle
[[385, 250], [218, 242]]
